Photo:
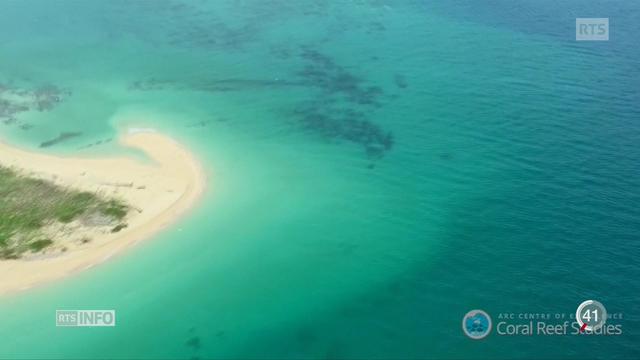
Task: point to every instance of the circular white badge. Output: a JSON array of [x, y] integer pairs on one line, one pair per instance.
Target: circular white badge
[[591, 315], [476, 324]]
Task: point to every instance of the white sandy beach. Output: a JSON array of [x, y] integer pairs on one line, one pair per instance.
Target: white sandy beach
[[159, 191]]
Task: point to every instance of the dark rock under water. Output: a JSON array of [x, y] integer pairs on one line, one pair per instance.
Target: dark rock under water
[[64, 136]]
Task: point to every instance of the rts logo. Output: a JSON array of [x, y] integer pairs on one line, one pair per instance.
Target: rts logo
[[592, 29]]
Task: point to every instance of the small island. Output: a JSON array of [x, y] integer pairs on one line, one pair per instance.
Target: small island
[[60, 215]]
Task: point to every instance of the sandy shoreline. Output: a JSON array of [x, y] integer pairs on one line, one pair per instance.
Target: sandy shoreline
[[159, 190]]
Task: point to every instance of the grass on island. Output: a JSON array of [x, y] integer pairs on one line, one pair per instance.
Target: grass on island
[[28, 204]]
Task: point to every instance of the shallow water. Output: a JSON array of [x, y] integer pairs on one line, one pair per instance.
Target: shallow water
[[377, 169]]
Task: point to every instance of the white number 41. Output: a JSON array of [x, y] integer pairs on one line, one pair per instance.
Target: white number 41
[[587, 315]]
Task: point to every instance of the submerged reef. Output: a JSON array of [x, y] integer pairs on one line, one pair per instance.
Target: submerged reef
[[341, 108], [349, 125], [321, 71], [211, 85], [16, 100], [341, 101], [194, 26]]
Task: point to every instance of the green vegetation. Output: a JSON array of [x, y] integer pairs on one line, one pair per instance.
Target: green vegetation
[[27, 205], [115, 209], [38, 245], [118, 227]]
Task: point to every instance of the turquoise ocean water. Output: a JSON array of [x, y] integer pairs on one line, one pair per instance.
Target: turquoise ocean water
[[376, 170]]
